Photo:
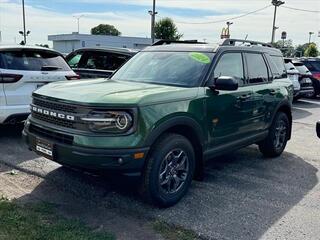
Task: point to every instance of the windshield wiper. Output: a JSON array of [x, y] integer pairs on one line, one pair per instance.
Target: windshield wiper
[[50, 68]]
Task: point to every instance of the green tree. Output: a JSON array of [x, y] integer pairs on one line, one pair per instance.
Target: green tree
[[300, 50], [105, 29], [312, 50], [286, 47], [166, 29]]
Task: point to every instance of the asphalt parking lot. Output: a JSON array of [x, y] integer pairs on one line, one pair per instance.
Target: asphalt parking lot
[[243, 195]]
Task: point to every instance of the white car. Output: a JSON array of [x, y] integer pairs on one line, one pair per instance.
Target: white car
[[22, 70]]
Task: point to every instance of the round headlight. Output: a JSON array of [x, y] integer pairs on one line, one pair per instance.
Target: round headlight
[[122, 121]]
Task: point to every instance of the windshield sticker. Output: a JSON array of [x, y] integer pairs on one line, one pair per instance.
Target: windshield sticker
[[200, 57]]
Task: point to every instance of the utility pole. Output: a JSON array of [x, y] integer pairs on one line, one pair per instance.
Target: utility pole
[[153, 14], [310, 34], [276, 4], [78, 21], [24, 24]]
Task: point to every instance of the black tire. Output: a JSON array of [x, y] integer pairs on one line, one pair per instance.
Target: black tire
[[273, 146], [165, 148]]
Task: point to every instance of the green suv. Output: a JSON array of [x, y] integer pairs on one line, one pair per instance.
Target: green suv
[[165, 112]]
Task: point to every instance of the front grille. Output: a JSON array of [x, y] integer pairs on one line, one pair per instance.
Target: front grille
[[54, 106], [53, 120], [59, 137]]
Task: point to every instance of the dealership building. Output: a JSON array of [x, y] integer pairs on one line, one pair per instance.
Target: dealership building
[[66, 43]]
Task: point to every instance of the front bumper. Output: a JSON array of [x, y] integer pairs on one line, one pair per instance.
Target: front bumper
[[97, 159], [306, 91], [318, 129]]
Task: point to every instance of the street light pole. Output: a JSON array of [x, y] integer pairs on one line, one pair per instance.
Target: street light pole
[[228, 28], [78, 21], [153, 14], [276, 4], [24, 24], [310, 34]]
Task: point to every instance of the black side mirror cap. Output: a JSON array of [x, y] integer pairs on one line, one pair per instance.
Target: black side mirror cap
[[226, 83]]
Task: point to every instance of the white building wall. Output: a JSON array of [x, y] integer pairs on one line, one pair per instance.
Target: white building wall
[[66, 43]]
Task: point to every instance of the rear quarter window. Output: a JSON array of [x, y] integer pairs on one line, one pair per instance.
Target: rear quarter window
[[28, 60], [278, 67]]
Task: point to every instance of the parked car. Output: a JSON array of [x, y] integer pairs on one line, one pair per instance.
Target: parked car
[[313, 64], [164, 112], [98, 62], [305, 80], [22, 70], [293, 75]]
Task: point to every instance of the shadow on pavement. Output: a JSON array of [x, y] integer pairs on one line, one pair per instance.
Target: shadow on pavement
[[241, 197], [12, 148]]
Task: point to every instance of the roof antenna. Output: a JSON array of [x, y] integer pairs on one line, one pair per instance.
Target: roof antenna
[[246, 37]]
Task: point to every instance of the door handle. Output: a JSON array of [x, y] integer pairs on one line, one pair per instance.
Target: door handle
[[244, 97]]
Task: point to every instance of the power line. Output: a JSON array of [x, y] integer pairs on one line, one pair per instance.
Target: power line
[[302, 10], [229, 19]]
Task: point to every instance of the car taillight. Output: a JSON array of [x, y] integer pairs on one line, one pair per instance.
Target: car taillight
[[73, 77], [9, 78], [316, 75]]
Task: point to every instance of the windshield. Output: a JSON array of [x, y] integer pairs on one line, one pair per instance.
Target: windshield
[[168, 68]]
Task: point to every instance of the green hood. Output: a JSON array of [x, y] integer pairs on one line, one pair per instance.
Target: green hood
[[112, 92]]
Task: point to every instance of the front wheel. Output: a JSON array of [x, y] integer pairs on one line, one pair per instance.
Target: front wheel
[[169, 170], [277, 139]]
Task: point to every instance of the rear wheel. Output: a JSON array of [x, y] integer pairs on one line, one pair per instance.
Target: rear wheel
[[277, 138], [169, 170]]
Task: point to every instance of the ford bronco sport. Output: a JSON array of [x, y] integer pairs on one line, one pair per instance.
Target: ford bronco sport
[[165, 112]]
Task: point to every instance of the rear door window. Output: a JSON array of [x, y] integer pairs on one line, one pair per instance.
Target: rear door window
[[257, 68], [33, 60]]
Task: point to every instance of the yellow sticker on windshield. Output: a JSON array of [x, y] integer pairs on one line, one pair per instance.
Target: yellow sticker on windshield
[[200, 57]]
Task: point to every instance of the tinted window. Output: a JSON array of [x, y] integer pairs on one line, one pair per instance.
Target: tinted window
[[302, 68], [103, 60], [74, 60], [313, 65], [277, 67], [33, 60], [257, 68], [290, 66], [231, 65], [167, 68]]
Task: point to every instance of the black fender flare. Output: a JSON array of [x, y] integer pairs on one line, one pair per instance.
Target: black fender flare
[[173, 122]]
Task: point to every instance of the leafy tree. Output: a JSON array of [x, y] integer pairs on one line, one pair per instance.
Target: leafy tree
[[166, 29], [312, 50], [105, 29], [300, 49], [286, 47]]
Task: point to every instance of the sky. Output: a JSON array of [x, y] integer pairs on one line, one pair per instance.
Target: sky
[[131, 18]]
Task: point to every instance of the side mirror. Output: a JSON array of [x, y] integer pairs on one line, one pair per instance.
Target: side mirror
[[226, 83]]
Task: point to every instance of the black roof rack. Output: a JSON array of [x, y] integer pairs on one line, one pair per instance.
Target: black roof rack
[[166, 42], [232, 42]]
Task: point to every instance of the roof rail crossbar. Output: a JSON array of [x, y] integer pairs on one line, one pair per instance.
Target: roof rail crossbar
[[166, 42], [232, 42]]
